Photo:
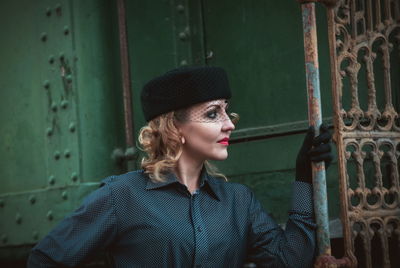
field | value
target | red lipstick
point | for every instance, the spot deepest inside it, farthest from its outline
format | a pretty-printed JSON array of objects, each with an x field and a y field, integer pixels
[{"x": 224, "y": 141}]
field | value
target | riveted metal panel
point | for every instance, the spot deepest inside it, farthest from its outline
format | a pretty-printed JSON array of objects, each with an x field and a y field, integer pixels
[
  {"x": 39, "y": 115},
  {"x": 28, "y": 216},
  {"x": 42, "y": 82},
  {"x": 60, "y": 89},
  {"x": 60, "y": 111}
]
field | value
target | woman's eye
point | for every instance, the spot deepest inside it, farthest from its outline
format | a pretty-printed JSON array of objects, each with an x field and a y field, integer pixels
[{"x": 212, "y": 114}]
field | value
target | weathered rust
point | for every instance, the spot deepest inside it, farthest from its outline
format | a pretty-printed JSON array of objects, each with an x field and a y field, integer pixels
[
  {"x": 327, "y": 261},
  {"x": 368, "y": 141},
  {"x": 315, "y": 119},
  {"x": 126, "y": 79}
]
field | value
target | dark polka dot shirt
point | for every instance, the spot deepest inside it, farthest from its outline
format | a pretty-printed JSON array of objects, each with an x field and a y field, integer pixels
[{"x": 145, "y": 224}]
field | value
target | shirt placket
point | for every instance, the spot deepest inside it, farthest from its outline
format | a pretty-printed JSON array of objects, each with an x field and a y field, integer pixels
[{"x": 200, "y": 234}]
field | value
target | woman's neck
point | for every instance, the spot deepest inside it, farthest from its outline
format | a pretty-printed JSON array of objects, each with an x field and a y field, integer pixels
[{"x": 188, "y": 172}]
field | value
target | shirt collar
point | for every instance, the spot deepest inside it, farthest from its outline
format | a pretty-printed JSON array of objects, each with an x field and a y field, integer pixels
[{"x": 206, "y": 182}]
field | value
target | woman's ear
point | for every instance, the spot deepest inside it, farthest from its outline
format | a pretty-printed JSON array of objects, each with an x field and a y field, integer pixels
[{"x": 178, "y": 127}]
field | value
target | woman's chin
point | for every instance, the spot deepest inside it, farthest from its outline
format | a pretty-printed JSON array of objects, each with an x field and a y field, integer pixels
[{"x": 219, "y": 157}]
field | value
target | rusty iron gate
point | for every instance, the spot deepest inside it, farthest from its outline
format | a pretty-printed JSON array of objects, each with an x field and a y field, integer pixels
[{"x": 364, "y": 38}]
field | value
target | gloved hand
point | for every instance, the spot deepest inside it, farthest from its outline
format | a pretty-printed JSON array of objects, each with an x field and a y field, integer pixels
[{"x": 314, "y": 149}]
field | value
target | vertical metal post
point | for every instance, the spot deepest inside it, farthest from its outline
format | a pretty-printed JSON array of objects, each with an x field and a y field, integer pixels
[
  {"x": 126, "y": 84},
  {"x": 315, "y": 119},
  {"x": 324, "y": 259}
]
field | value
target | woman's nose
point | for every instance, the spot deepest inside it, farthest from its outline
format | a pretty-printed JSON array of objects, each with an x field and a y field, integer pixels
[{"x": 228, "y": 125}]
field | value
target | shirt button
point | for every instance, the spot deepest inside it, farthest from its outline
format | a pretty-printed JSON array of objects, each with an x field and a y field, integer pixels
[{"x": 199, "y": 229}]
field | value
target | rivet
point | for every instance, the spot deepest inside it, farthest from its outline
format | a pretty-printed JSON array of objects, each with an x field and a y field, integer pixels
[
  {"x": 51, "y": 59},
  {"x": 46, "y": 84},
  {"x": 43, "y": 37},
  {"x": 32, "y": 199},
  {"x": 183, "y": 63},
  {"x": 49, "y": 215},
  {"x": 74, "y": 176},
  {"x": 67, "y": 153},
  {"x": 180, "y": 8},
  {"x": 35, "y": 235},
  {"x": 182, "y": 36},
  {"x": 210, "y": 55},
  {"x": 52, "y": 180},
  {"x": 18, "y": 218},
  {"x": 56, "y": 155},
  {"x": 48, "y": 12},
  {"x": 72, "y": 127},
  {"x": 68, "y": 78},
  {"x": 49, "y": 131},
  {"x": 64, "y": 104},
  {"x": 58, "y": 9},
  {"x": 66, "y": 30},
  {"x": 54, "y": 106},
  {"x": 64, "y": 195},
  {"x": 1, "y": 203},
  {"x": 4, "y": 238}
]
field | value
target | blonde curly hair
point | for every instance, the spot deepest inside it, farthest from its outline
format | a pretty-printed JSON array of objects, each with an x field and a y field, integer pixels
[{"x": 161, "y": 141}]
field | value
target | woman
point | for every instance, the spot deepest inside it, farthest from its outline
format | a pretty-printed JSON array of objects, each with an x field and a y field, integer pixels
[{"x": 177, "y": 211}]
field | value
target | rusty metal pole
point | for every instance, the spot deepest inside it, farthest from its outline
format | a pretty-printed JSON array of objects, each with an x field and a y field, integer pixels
[
  {"x": 324, "y": 259},
  {"x": 130, "y": 151},
  {"x": 315, "y": 119}
]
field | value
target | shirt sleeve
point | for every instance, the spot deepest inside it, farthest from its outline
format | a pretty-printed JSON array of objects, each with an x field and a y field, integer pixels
[
  {"x": 91, "y": 227},
  {"x": 270, "y": 246}
]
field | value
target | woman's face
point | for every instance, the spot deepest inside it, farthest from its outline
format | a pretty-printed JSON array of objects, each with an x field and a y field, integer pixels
[{"x": 206, "y": 130}]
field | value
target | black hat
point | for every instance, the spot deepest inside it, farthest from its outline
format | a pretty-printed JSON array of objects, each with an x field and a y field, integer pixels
[{"x": 183, "y": 87}]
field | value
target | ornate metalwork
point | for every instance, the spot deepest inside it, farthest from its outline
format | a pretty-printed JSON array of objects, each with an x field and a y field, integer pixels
[{"x": 365, "y": 44}]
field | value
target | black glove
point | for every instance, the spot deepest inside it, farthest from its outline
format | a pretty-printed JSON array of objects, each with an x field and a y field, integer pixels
[{"x": 314, "y": 149}]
